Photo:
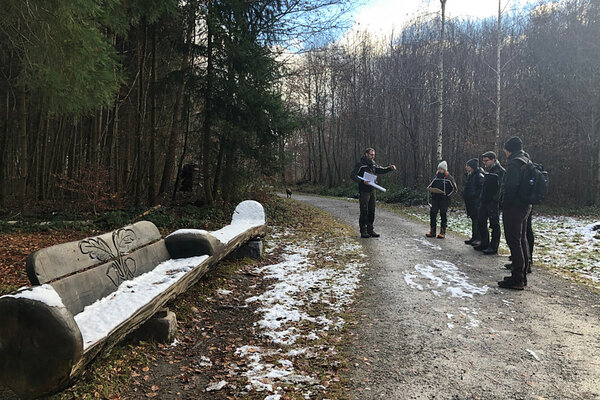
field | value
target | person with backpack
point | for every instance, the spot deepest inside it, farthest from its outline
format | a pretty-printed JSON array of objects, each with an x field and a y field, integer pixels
[
  {"x": 515, "y": 210},
  {"x": 489, "y": 207},
  {"x": 441, "y": 188},
  {"x": 536, "y": 179},
  {"x": 472, "y": 194}
]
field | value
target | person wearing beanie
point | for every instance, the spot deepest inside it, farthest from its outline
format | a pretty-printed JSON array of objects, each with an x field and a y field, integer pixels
[
  {"x": 441, "y": 188},
  {"x": 488, "y": 206},
  {"x": 472, "y": 194},
  {"x": 514, "y": 215},
  {"x": 367, "y": 196}
]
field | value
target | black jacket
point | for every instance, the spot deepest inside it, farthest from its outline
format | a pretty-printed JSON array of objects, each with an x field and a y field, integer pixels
[
  {"x": 472, "y": 192},
  {"x": 492, "y": 180},
  {"x": 366, "y": 165},
  {"x": 509, "y": 191}
]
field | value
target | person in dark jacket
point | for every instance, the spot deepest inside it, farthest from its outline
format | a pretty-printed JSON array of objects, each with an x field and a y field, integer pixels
[
  {"x": 472, "y": 194},
  {"x": 514, "y": 215},
  {"x": 488, "y": 207},
  {"x": 530, "y": 236},
  {"x": 441, "y": 188},
  {"x": 367, "y": 196}
]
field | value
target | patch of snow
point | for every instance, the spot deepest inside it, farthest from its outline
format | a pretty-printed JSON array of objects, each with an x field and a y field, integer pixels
[
  {"x": 225, "y": 234},
  {"x": 205, "y": 362},
  {"x": 249, "y": 211},
  {"x": 216, "y": 386},
  {"x": 427, "y": 243},
  {"x": 178, "y": 232},
  {"x": 248, "y": 214},
  {"x": 297, "y": 285},
  {"x": 442, "y": 275},
  {"x": 97, "y": 320},
  {"x": 224, "y": 292},
  {"x": 533, "y": 354},
  {"x": 44, "y": 294}
]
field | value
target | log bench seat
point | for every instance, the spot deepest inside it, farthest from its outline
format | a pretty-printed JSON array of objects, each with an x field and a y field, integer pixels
[{"x": 87, "y": 295}]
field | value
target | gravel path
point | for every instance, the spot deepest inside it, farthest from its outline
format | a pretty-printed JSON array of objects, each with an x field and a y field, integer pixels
[{"x": 433, "y": 323}]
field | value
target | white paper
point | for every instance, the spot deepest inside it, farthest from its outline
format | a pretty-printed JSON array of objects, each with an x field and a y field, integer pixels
[{"x": 370, "y": 178}]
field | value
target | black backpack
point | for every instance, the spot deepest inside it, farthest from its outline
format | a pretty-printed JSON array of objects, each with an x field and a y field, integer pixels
[{"x": 534, "y": 183}]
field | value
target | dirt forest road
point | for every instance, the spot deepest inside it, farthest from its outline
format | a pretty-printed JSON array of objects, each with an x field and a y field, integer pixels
[{"x": 434, "y": 324}]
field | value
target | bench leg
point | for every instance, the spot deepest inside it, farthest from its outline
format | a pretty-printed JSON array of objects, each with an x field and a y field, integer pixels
[
  {"x": 252, "y": 249},
  {"x": 161, "y": 328}
]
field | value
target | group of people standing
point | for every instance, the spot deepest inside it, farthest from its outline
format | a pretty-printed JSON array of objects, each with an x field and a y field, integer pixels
[{"x": 487, "y": 192}]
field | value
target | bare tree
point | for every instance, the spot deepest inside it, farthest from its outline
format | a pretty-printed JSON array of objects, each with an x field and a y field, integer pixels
[{"x": 440, "y": 92}]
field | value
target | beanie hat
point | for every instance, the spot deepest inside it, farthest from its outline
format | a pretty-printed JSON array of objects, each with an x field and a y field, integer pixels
[
  {"x": 473, "y": 163},
  {"x": 513, "y": 144},
  {"x": 443, "y": 165},
  {"x": 489, "y": 154}
]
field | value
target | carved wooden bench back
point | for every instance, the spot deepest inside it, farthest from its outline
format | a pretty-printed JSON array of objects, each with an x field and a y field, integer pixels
[{"x": 84, "y": 271}]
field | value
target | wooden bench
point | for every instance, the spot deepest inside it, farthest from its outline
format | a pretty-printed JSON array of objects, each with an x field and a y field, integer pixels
[{"x": 89, "y": 294}]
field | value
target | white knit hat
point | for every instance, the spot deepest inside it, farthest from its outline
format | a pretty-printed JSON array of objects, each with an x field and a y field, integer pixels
[{"x": 443, "y": 165}]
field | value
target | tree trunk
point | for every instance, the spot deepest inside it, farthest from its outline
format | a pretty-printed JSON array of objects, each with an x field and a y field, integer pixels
[
  {"x": 206, "y": 126},
  {"x": 140, "y": 116},
  {"x": 441, "y": 86},
  {"x": 498, "y": 68},
  {"x": 24, "y": 156},
  {"x": 153, "y": 122},
  {"x": 176, "y": 125}
]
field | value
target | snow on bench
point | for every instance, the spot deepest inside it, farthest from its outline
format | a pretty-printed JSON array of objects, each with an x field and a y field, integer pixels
[{"x": 89, "y": 294}]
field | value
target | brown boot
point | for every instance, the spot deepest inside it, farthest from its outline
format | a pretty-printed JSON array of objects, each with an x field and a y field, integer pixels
[
  {"x": 442, "y": 233},
  {"x": 431, "y": 232}
]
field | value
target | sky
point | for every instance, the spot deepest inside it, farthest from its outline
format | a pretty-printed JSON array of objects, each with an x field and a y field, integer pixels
[{"x": 381, "y": 16}]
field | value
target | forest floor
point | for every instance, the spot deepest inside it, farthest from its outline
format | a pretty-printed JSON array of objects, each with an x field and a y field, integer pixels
[
  {"x": 326, "y": 315},
  {"x": 243, "y": 333}
]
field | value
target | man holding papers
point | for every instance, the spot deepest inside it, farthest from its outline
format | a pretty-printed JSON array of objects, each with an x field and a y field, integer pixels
[{"x": 365, "y": 174}]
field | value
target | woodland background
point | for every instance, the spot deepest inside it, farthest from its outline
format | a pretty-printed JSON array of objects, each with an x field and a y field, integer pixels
[{"x": 107, "y": 103}]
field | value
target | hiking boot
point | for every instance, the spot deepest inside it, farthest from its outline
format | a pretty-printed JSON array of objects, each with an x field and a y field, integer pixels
[
  {"x": 509, "y": 278},
  {"x": 431, "y": 233},
  {"x": 470, "y": 241},
  {"x": 510, "y": 284},
  {"x": 480, "y": 248},
  {"x": 489, "y": 251},
  {"x": 363, "y": 232},
  {"x": 373, "y": 234},
  {"x": 476, "y": 243},
  {"x": 442, "y": 233}
]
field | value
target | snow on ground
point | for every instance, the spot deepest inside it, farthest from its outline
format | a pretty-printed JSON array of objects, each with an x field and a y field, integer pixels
[
  {"x": 304, "y": 302},
  {"x": 568, "y": 243},
  {"x": 442, "y": 277}
]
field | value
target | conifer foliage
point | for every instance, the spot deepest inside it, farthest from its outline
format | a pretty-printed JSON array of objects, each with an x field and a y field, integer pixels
[{"x": 139, "y": 89}]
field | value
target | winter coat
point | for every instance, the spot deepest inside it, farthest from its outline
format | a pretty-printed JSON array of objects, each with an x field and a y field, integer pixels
[
  {"x": 366, "y": 165},
  {"x": 472, "y": 191},
  {"x": 509, "y": 191},
  {"x": 492, "y": 180},
  {"x": 444, "y": 182}
]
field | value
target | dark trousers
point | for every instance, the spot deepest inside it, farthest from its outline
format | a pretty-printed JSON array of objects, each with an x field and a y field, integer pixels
[
  {"x": 489, "y": 211},
  {"x": 474, "y": 228},
  {"x": 515, "y": 232},
  {"x": 366, "y": 202},
  {"x": 530, "y": 238},
  {"x": 440, "y": 204}
]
